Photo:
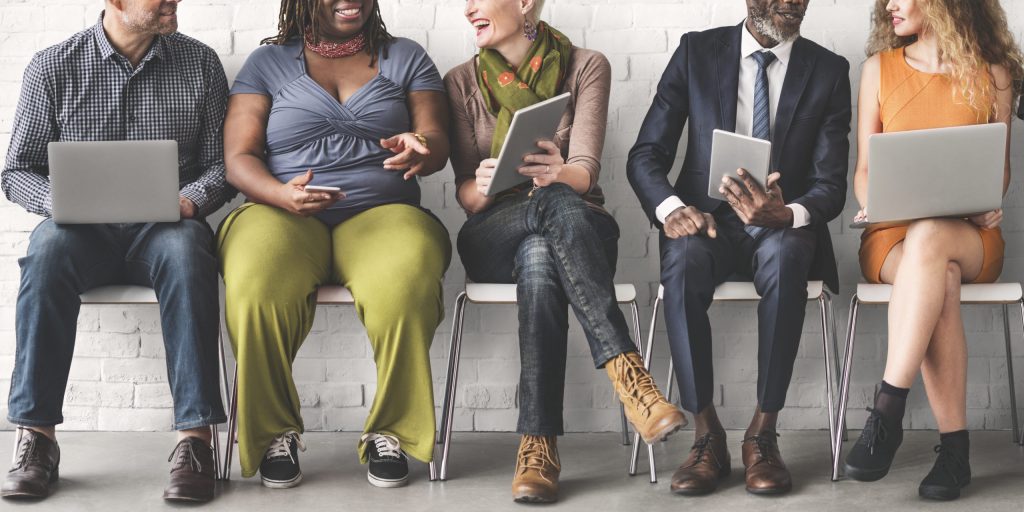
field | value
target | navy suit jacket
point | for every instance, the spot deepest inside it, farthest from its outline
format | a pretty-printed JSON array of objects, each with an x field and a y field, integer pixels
[{"x": 810, "y": 139}]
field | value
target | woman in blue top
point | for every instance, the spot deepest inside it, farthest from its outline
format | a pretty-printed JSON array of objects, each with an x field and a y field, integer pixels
[{"x": 334, "y": 101}]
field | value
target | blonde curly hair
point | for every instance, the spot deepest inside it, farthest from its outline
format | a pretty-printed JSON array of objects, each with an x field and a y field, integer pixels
[{"x": 972, "y": 35}]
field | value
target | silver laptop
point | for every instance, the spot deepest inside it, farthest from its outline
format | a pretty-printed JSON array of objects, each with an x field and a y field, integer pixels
[
  {"x": 114, "y": 181},
  {"x": 941, "y": 172}
]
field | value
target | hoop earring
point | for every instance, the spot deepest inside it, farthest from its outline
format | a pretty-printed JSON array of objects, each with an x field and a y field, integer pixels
[{"x": 529, "y": 30}]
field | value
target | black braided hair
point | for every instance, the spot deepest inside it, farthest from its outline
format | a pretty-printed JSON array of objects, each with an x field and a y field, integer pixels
[{"x": 298, "y": 15}]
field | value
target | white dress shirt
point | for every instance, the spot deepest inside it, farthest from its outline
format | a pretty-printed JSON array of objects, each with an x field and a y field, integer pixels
[{"x": 745, "y": 108}]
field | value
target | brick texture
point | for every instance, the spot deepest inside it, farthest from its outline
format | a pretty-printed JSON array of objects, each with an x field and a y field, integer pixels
[{"x": 118, "y": 379}]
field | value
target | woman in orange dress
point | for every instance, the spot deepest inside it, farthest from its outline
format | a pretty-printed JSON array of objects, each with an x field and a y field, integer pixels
[{"x": 933, "y": 64}]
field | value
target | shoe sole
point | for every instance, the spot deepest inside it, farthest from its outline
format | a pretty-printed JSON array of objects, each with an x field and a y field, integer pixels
[
  {"x": 938, "y": 493},
  {"x": 769, "y": 492},
  {"x": 865, "y": 475},
  {"x": 385, "y": 483},
  {"x": 533, "y": 499},
  {"x": 179, "y": 498},
  {"x": 663, "y": 435},
  {"x": 281, "y": 484}
]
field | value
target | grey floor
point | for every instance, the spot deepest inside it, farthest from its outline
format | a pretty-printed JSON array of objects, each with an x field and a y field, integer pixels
[{"x": 126, "y": 471}]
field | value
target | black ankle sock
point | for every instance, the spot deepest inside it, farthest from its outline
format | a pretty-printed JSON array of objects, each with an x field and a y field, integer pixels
[
  {"x": 891, "y": 401},
  {"x": 959, "y": 440}
]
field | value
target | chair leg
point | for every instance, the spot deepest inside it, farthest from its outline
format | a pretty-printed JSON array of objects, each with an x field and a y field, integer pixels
[
  {"x": 216, "y": 452},
  {"x": 825, "y": 302},
  {"x": 837, "y": 360},
  {"x": 451, "y": 382},
  {"x": 635, "y": 311},
  {"x": 1009, "y": 373},
  {"x": 647, "y": 353},
  {"x": 844, "y": 387},
  {"x": 226, "y": 393},
  {"x": 229, "y": 447}
]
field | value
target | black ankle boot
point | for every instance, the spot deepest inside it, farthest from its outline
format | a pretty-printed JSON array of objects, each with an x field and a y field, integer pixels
[
  {"x": 951, "y": 472},
  {"x": 872, "y": 455}
]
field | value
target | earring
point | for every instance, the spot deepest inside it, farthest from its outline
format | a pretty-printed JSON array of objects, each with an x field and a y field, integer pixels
[{"x": 529, "y": 30}]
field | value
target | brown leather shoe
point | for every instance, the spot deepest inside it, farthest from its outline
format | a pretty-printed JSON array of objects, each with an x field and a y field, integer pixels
[
  {"x": 708, "y": 464},
  {"x": 766, "y": 473},
  {"x": 646, "y": 407},
  {"x": 537, "y": 469},
  {"x": 34, "y": 469},
  {"x": 192, "y": 477}
]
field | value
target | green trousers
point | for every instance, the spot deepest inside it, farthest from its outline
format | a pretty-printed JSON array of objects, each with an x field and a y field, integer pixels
[{"x": 392, "y": 258}]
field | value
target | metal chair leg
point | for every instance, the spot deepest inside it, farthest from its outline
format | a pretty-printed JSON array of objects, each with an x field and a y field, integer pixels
[
  {"x": 232, "y": 426},
  {"x": 844, "y": 387},
  {"x": 1017, "y": 438},
  {"x": 451, "y": 383},
  {"x": 216, "y": 452},
  {"x": 635, "y": 311},
  {"x": 636, "y": 436},
  {"x": 825, "y": 302}
]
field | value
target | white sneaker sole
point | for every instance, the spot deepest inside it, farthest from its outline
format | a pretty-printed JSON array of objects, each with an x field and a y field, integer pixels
[
  {"x": 382, "y": 482},
  {"x": 281, "y": 484}
]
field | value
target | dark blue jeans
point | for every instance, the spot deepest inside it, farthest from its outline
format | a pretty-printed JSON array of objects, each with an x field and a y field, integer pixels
[
  {"x": 559, "y": 252},
  {"x": 175, "y": 259}
]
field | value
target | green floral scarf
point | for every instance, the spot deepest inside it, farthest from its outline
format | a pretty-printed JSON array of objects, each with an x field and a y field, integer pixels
[{"x": 538, "y": 78}]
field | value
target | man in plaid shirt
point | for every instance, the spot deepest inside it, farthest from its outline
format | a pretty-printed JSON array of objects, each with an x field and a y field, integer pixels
[{"x": 129, "y": 77}]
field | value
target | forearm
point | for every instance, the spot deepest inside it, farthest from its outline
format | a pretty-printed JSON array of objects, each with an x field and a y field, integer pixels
[
  {"x": 251, "y": 177},
  {"x": 860, "y": 187},
  {"x": 471, "y": 199},
  {"x": 440, "y": 149},
  {"x": 576, "y": 176}
]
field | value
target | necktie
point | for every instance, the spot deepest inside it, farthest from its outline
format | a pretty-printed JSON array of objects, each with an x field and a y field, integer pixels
[{"x": 762, "y": 106}]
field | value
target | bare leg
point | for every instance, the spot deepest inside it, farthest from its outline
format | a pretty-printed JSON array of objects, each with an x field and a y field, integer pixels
[
  {"x": 46, "y": 431},
  {"x": 945, "y": 363}
]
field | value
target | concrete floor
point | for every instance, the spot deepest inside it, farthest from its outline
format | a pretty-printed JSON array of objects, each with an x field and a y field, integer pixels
[{"x": 111, "y": 472}]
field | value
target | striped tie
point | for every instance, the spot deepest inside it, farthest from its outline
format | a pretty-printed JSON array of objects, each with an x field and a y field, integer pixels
[{"x": 762, "y": 107}]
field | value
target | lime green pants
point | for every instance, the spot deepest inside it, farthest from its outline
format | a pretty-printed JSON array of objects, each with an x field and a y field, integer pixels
[{"x": 392, "y": 258}]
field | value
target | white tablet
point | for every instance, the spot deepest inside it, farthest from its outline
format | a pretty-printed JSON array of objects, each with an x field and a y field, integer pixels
[
  {"x": 529, "y": 125},
  {"x": 730, "y": 152}
]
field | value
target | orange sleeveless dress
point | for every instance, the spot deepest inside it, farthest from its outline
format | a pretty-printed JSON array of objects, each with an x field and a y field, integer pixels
[{"x": 913, "y": 100}]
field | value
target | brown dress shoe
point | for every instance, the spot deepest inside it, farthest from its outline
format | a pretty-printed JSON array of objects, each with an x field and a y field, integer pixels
[
  {"x": 192, "y": 477},
  {"x": 708, "y": 464},
  {"x": 653, "y": 417},
  {"x": 766, "y": 473},
  {"x": 537, "y": 469},
  {"x": 34, "y": 469}
]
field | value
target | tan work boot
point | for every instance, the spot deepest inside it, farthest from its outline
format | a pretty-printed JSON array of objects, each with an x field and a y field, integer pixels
[
  {"x": 646, "y": 408},
  {"x": 537, "y": 469}
]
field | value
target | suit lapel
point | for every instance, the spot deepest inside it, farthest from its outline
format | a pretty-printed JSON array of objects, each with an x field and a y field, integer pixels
[
  {"x": 727, "y": 62},
  {"x": 801, "y": 63}
]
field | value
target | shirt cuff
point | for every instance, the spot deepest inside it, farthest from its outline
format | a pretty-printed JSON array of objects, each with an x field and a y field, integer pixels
[
  {"x": 199, "y": 200},
  {"x": 668, "y": 206},
  {"x": 801, "y": 217}
]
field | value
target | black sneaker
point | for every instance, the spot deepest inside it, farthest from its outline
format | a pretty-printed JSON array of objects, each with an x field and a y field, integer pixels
[
  {"x": 951, "y": 472},
  {"x": 872, "y": 455},
  {"x": 389, "y": 467},
  {"x": 280, "y": 466}
]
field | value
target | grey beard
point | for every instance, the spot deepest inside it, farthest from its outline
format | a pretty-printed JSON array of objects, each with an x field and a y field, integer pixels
[{"x": 764, "y": 26}]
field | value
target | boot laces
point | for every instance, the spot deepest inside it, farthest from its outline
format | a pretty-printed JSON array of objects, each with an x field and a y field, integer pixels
[
  {"x": 387, "y": 445},
  {"x": 280, "y": 447},
  {"x": 875, "y": 432},
  {"x": 27, "y": 453},
  {"x": 186, "y": 455},
  {"x": 638, "y": 384},
  {"x": 535, "y": 452}
]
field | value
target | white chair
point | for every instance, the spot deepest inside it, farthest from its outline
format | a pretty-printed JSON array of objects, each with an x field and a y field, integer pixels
[
  {"x": 745, "y": 292},
  {"x": 1003, "y": 294},
  {"x": 332, "y": 295},
  {"x": 490, "y": 293},
  {"x": 139, "y": 295}
]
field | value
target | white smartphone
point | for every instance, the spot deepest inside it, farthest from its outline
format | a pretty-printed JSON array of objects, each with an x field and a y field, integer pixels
[{"x": 321, "y": 188}]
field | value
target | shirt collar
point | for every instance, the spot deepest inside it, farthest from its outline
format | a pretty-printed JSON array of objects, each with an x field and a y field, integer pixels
[
  {"x": 749, "y": 45},
  {"x": 156, "y": 50}
]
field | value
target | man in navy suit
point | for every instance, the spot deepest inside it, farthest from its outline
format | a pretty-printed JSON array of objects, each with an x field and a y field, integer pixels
[{"x": 760, "y": 79}]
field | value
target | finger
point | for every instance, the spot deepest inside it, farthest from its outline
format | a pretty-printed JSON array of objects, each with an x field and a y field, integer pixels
[
  {"x": 549, "y": 147},
  {"x": 698, "y": 221},
  {"x": 730, "y": 196},
  {"x": 533, "y": 171},
  {"x": 752, "y": 187},
  {"x": 302, "y": 179},
  {"x": 413, "y": 171},
  {"x": 736, "y": 187},
  {"x": 401, "y": 160},
  {"x": 390, "y": 142},
  {"x": 489, "y": 163},
  {"x": 712, "y": 228},
  {"x": 670, "y": 230},
  {"x": 773, "y": 180},
  {"x": 418, "y": 147}
]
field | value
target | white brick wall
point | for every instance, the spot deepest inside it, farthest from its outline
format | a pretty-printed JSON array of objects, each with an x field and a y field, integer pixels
[{"x": 118, "y": 379}]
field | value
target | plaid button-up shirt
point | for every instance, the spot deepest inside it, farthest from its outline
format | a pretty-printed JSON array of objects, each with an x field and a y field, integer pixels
[{"x": 83, "y": 90}]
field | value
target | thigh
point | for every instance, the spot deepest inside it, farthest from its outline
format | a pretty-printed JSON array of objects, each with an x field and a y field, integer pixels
[
  {"x": 184, "y": 247},
  {"x": 698, "y": 256},
  {"x": 489, "y": 241},
  {"x": 787, "y": 247},
  {"x": 92, "y": 253},
  {"x": 263, "y": 249},
  {"x": 608, "y": 230},
  {"x": 394, "y": 243},
  {"x": 956, "y": 240}
]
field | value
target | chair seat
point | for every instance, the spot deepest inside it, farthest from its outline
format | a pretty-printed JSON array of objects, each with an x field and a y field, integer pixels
[
  {"x": 490, "y": 293},
  {"x": 744, "y": 291},
  {"x": 994, "y": 293},
  {"x": 119, "y": 294},
  {"x": 334, "y": 294}
]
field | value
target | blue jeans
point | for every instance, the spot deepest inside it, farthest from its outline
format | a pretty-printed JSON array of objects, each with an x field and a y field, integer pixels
[
  {"x": 176, "y": 259},
  {"x": 559, "y": 252}
]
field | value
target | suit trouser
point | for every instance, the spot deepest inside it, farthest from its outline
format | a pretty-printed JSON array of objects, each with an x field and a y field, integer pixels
[{"x": 778, "y": 261}]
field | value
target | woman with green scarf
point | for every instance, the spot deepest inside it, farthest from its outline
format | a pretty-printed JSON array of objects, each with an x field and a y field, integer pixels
[{"x": 550, "y": 236}]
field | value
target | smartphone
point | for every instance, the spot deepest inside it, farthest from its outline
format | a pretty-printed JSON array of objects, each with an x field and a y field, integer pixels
[{"x": 321, "y": 188}]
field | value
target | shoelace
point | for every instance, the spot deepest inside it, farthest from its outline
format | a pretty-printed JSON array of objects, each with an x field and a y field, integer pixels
[
  {"x": 535, "y": 453},
  {"x": 949, "y": 461},
  {"x": 764, "y": 442},
  {"x": 703, "y": 446},
  {"x": 874, "y": 431},
  {"x": 639, "y": 384},
  {"x": 27, "y": 453},
  {"x": 280, "y": 447},
  {"x": 387, "y": 446},
  {"x": 185, "y": 455}
]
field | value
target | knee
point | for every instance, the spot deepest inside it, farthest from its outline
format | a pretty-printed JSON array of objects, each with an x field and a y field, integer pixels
[
  {"x": 954, "y": 277},
  {"x": 784, "y": 259},
  {"x": 689, "y": 260},
  {"x": 185, "y": 249},
  {"x": 560, "y": 201},
  {"x": 926, "y": 239},
  {"x": 52, "y": 243},
  {"x": 535, "y": 262}
]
